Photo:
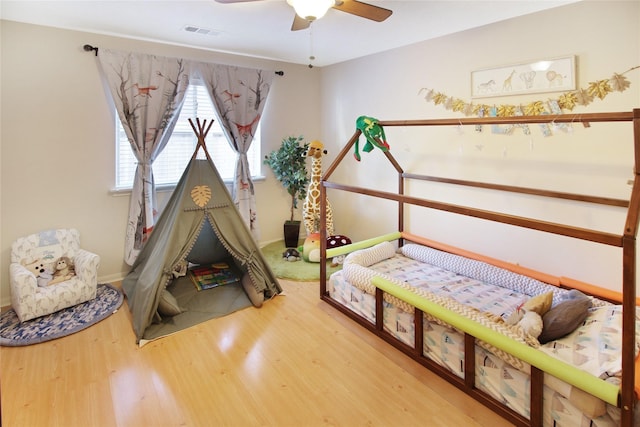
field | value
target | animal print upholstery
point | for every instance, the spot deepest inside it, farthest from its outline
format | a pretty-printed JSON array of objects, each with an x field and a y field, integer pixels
[{"x": 31, "y": 301}]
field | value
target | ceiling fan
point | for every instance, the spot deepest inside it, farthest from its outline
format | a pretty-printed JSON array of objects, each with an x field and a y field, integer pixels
[{"x": 308, "y": 11}]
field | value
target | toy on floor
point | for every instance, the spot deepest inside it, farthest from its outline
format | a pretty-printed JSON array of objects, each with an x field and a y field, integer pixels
[
  {"x": 374, "y": 134},
  {"x": 311, "y": 248},
  {"x": 335, "y": 242},
  {"x": 311, "y": 205},
  {"x": 291, "y": 255}
]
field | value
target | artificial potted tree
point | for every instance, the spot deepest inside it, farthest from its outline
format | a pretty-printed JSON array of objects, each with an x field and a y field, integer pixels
[{"x": 289, "y": 165}]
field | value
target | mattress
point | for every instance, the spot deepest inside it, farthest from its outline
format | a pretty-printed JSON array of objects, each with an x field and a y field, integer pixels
[{"x": 593, "y": 347}]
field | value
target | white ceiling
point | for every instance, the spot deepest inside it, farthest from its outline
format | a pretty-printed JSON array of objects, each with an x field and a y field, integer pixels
[{"x": 262, "y": 28}]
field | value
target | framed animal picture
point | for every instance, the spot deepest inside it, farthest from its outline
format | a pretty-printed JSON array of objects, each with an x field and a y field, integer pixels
[{"x": 547, "y": 75}]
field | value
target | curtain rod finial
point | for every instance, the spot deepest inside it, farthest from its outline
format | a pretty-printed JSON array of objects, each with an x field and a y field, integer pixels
[{"x": 89, "y": 48}]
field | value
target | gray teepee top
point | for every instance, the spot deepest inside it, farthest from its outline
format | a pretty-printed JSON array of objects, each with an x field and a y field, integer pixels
[{"x": 200, "y": 195}]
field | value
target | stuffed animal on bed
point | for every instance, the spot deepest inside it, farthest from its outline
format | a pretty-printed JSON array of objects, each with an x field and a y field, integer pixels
[
  {"x": 531, "y": 323},
  {"x": 538, "y": 318},
  {"x": 529, "y": 315}
]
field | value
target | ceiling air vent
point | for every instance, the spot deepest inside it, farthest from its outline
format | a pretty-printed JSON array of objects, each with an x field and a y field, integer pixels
[{"x": 199, "y": 30}]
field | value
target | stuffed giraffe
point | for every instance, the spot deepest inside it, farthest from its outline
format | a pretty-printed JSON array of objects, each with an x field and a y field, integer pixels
[{"x": 311, "y": 206}]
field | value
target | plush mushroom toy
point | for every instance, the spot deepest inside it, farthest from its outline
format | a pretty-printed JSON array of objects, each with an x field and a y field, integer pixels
[{"x": 311, "y": 248}]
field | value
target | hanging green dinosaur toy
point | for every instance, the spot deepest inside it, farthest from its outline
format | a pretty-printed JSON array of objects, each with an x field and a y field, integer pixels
[{"x": 373, "y": 132}]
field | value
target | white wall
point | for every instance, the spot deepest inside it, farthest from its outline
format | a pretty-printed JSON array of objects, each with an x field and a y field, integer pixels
[
  {"x": 57, "y": 136},
  {"x": 604, "y": 36}
]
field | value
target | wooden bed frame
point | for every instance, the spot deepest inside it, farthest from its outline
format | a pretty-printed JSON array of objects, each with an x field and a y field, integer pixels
[{"x": 626, "y": 241}]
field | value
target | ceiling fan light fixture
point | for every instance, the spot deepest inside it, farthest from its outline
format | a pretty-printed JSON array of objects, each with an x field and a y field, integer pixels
[{"x": 311, "y": 9}]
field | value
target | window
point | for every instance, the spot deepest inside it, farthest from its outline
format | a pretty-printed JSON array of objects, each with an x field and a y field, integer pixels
[{"x": 168, "y": 167}]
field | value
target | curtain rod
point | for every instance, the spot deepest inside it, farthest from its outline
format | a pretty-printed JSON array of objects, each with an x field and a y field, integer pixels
[{"x": 89, "y": 48}]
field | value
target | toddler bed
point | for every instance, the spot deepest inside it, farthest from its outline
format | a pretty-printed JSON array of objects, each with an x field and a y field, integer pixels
[
  {"x": 457, "y": 313},
  {"x": 491, "y": 294}
]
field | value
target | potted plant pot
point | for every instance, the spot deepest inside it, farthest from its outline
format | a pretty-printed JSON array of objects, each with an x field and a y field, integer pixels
[
  {"x": 291, "y": 233},
  {"x": 289, "y": 166}
]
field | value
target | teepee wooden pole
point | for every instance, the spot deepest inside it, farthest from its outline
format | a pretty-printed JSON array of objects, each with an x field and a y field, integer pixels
[{"x": 201, "y": 133}]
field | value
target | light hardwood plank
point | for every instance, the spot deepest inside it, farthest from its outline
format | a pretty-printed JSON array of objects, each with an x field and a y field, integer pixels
[{"x": 294, "y": 362}]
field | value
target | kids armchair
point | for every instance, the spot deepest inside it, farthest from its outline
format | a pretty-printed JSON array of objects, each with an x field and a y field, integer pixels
[{"x": 34, "y": 260}]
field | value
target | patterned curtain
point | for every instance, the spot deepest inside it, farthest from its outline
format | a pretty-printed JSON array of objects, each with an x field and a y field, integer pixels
[
  {"x": 239, "y": 96},
  {"x": 148, "y": 92}
]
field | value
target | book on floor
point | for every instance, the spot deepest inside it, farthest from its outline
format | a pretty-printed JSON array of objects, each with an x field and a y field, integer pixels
[{"x": 213, "y": 275}]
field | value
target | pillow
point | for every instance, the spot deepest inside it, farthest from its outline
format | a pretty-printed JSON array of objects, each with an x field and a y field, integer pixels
[
  {"x": 371, "y": 255},
  {"x": 168, "y": 305},
  {"x": 207, "y": 249},
  {"x": 539, "y": 304},
  {"x": 563, "y": 319},
  {"x": 257, "y": 298}
]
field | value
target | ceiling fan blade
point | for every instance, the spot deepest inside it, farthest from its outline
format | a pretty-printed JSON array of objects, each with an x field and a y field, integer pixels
[
  {"x": 365, "y": 10},
  {"x": 299, "y": 23}
]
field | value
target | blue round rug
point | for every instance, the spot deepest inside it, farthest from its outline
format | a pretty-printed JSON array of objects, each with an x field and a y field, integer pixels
[{"x": 61, "y": 323}]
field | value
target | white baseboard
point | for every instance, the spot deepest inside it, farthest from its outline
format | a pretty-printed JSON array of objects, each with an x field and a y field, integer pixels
[{"x": 110, "y": 278}]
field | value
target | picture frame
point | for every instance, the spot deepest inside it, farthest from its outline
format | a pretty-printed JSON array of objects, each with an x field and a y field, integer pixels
[{"x": 546, "y": 75}]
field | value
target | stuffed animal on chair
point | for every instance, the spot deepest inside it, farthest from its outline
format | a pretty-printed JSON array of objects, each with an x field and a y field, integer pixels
[
  {"x": 42, "y": 270},
  {"x": 64, "y": 270}
]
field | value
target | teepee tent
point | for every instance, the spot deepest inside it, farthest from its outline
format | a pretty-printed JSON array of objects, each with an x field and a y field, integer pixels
[{"x": 200, "y": 225}]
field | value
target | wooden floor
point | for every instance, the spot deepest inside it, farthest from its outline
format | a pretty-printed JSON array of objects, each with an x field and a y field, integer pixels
[{"x": 293, "y": 362}]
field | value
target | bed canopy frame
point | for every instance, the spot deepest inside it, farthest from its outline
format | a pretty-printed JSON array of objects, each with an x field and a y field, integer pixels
[{"x": 626, "y": 241}]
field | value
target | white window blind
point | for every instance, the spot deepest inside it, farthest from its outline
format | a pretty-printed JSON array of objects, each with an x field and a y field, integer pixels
[{"x": 172, "y": 161}]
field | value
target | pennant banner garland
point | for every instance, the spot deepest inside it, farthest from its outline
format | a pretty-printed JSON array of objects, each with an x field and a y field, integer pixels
[{"x": 567, "y": 101}]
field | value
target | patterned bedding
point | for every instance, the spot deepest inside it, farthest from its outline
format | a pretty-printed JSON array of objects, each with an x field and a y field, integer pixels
[{"x": 593, "y": 347}]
